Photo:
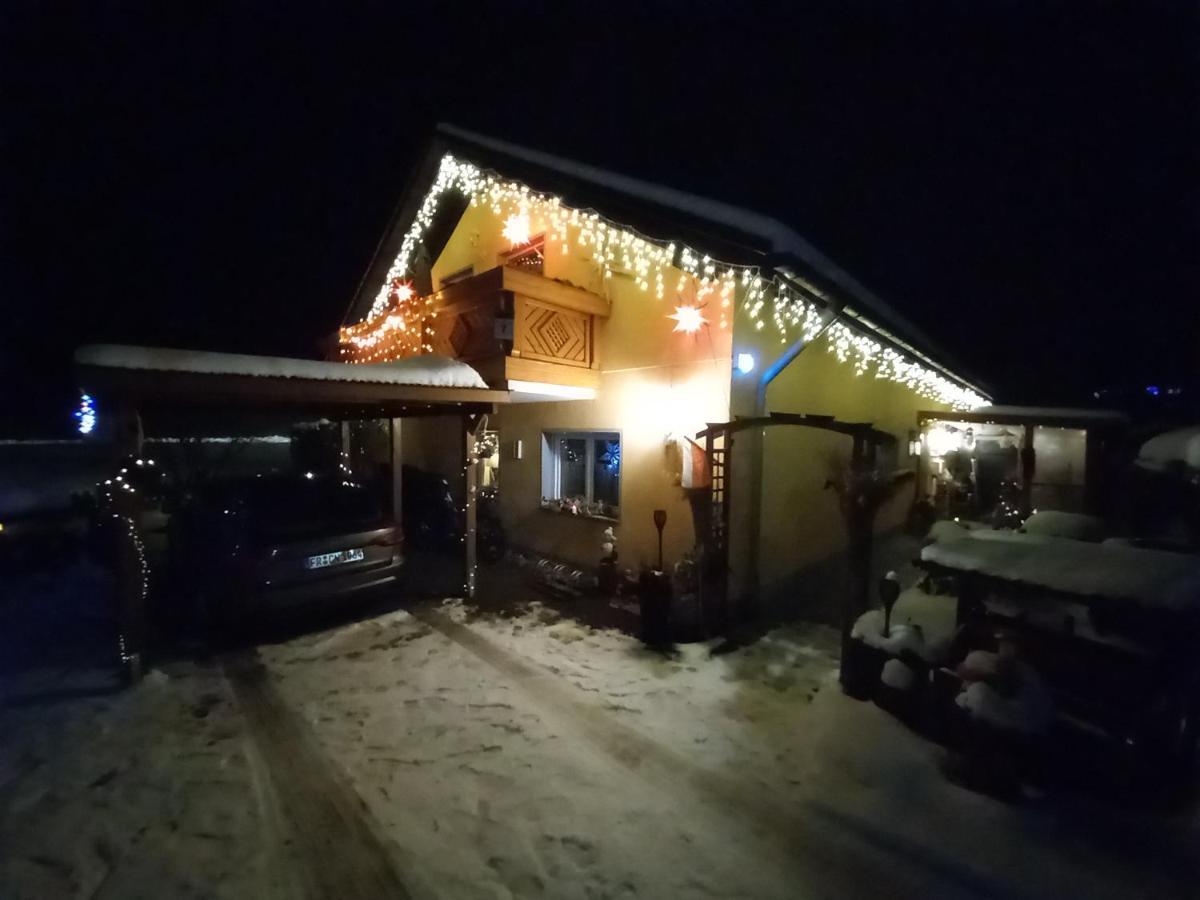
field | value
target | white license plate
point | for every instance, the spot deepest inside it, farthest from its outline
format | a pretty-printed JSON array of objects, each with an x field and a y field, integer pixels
[{"x": 324, "y": 560}]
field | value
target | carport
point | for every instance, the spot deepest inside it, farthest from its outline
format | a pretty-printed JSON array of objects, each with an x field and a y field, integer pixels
[{"x": 122, "y": 382}]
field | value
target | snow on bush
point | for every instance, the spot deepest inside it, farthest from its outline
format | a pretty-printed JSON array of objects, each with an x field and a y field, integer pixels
[
  {"x": 946, "y": 530},
  {"x": 979, "y": 665},
  {"x": 1028, "y": 710},
  {"x": 1174, "y": 447},
  {"x": 1075, "y": 526},
  {"x": 897, "y": 675},
  {"x": 900, "y": 638}
]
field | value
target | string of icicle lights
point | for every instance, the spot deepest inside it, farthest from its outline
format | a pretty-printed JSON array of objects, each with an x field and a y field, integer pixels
[{"x": 615, "y": 248}]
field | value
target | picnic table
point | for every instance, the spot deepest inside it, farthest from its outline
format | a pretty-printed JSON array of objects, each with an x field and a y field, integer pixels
[{"x": 1114, "y": 629}]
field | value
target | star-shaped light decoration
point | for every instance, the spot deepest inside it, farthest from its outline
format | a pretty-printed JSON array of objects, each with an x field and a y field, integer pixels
[
  {"x": 516, "y": 229},
  {"x": 688, "y": 319},
  {"x": 403, "y": 291}
]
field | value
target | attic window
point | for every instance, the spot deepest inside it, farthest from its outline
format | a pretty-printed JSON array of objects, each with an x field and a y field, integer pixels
[{"x": 529, "y": 256}]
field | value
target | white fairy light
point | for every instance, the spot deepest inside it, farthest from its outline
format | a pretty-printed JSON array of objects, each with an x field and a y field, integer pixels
[{"x": 401, "y": 325}]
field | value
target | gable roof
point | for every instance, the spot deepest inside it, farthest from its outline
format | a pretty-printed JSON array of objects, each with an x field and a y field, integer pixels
[{"x": 724, "y": 231}]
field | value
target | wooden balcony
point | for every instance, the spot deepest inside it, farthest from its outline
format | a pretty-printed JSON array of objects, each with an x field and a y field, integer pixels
[{"x": 514, "y": 325}]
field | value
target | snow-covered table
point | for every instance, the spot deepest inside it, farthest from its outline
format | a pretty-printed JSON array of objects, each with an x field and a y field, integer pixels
[
  {"x": 1152, "y": 579},
  {"x": 1114, "y": 628}
]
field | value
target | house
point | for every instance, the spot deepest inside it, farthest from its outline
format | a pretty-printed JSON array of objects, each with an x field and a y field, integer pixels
[{"x": 660, "y": 352}]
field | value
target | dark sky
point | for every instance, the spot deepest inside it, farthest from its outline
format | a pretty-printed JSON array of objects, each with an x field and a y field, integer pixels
[{"x": 1021, "y": 178}]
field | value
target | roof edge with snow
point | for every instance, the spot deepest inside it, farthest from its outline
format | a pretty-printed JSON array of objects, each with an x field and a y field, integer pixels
[
  {"x": 717, "y": 228},
  {"x": 416, "y": 371}
]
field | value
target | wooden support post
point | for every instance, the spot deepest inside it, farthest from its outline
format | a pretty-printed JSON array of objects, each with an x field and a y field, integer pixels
[
  {"x": 471, "y": 425},
  {"x": 128, "y": 436},
  {"x": 1028, "y": 468},
  {"x": 125, "y": 526},
  {"x": 397, "y": 473}
]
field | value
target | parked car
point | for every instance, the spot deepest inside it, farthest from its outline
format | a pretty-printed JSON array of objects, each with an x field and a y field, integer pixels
[
  {"x": 433, "y": 521},
  {"x": 263, "y": 544}
]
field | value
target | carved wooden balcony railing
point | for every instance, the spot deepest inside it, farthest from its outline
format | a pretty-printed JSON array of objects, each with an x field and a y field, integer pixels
[{"x": 510, "y": 325}]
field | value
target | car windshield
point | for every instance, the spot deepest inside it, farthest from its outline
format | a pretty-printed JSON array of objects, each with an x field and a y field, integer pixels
[{"x": 290, "y": 507}]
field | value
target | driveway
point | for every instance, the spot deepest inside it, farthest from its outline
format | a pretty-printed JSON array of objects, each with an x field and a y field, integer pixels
[{"x": 445, "y": 752}]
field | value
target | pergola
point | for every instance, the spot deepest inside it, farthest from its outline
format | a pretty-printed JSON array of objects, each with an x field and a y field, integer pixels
[
  {"x": 866, "y": 440},
  {"x": 126, "y": 381}
]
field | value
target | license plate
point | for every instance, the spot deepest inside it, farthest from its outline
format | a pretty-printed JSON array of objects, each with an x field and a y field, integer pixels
[{"x": 324, "y": 560}]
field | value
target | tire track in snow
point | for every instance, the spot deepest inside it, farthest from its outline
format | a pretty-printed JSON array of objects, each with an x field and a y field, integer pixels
[
  {"x": 341, "y": 850},
  {"x": 835, "y": 855}
]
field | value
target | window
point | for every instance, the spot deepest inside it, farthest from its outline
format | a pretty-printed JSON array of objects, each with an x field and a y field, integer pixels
[{"x": 581, "y": 472}]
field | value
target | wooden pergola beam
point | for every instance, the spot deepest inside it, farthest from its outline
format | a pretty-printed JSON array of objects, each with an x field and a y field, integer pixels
[{"x": 858, "y": 430}]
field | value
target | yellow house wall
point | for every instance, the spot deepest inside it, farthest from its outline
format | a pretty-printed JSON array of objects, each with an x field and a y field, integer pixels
[
  {"x": 653, "y": 382},
  {"x": 802, "y": 538}
]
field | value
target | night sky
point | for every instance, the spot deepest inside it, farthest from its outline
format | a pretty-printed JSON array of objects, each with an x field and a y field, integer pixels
[{"x": 1020, "y": 178}]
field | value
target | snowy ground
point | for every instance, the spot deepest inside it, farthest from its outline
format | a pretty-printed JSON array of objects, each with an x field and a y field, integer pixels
[{"x": 525, "y": 756}]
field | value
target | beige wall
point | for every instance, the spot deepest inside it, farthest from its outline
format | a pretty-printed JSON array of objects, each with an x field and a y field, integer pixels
[
  {"x": 802, "y": 538},
  {"x": 653, "y": 383}
]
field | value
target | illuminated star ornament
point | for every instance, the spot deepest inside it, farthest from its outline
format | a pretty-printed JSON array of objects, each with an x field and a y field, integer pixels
[
  {"x": 403, "y": 291},
  {"x": 516, "y": 229},
  {"x": 688, "y": 319}
]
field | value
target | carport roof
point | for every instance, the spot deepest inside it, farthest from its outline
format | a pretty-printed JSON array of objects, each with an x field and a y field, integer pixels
[{"x": 153, "y": 375}]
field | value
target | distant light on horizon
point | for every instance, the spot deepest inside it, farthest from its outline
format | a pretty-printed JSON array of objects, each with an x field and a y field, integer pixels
[{"x": 86, "y": 414}]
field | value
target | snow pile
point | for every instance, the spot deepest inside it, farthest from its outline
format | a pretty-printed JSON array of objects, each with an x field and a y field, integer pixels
[
  {"x": 897, "y": 675},
  {"x": 428, "y": 370},
  {"x": 900, "y": 639},
  {"x": 1075, "y": 526},
  {"x": 1153, "y": 578},
  {"x": 1029, "y": 710},
  {"x": 1171, "y": 448},
  {"x": 922, "y": 624},
  {"x": 979, "y": 665},
  {"x": 946, "y": 530}
]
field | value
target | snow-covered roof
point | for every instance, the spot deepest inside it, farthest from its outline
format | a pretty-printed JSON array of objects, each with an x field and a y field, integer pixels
[
  {"x": 1153, "y": 578},
  {"x": 427, "y": 371},
  {"x": 1172, "y": 448},
  {"x": 1054, "y": 412},
  {"x": 778, "y": 238},
  {"x": 713, "y": 224}
]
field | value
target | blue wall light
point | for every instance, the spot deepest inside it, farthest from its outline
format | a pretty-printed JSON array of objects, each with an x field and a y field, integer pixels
[{"x": 745, "y": 363}]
